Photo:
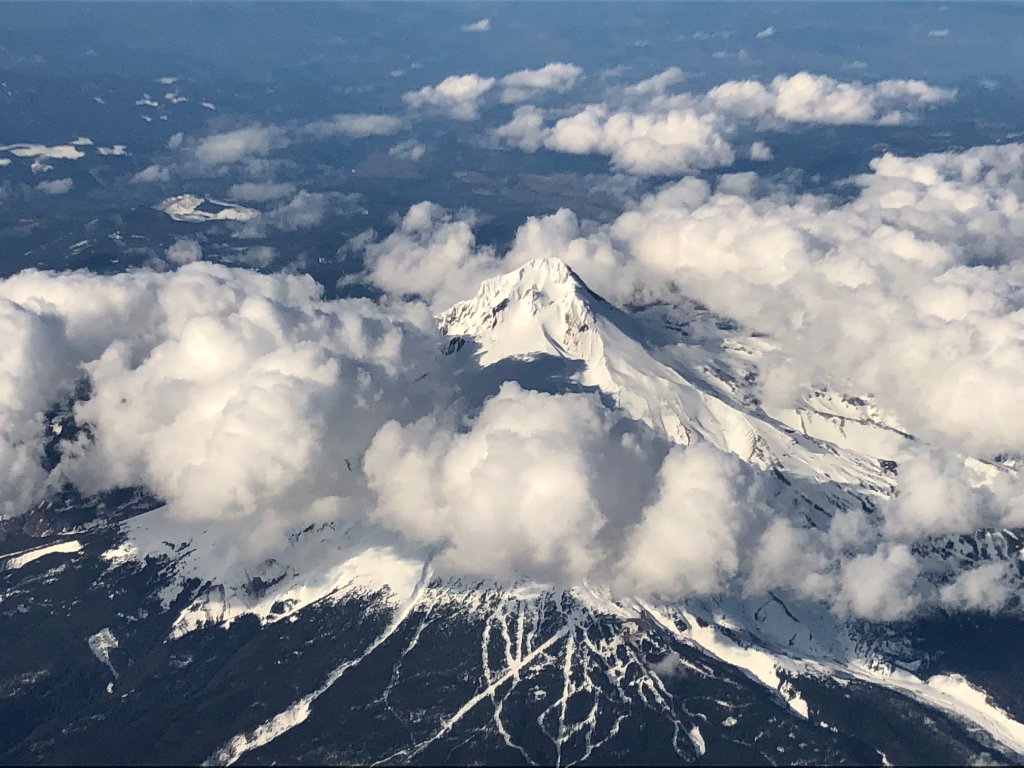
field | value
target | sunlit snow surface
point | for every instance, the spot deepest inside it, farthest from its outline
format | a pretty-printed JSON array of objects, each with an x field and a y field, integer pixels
[
  {"x": 187, "y": 208},
  {"x": 18, "y": 559}
]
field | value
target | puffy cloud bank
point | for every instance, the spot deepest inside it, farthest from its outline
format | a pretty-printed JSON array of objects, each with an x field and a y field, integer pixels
[
  {"x": 515, "y": 494},
  {"x": 457, "y": 96},
  {"x": 526, "y": 84},
  {"x": 222, "y": 390},
  {"x": 645, "y": 143},
  {"x": 239, "y": 145},
  {"x": 431, "y": 254},
  {"x": 249, "y": 400},
  {"x": 911, "y": 290},
  {"x": 645, "y": 128},
  {"x": 646, "y": 131},
  {"x": 807, "y": 98}
]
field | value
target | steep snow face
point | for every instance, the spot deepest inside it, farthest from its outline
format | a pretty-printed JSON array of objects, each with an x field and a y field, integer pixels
[
  {"x": 853, "y": 422},
  {"x": 675, "y": 383},
  {"x": 544, "y": 308}
]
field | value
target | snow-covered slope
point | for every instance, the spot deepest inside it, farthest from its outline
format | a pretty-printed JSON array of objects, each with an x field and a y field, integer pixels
[
  {"x": 195, "y": 209},
  {"x": 666, "y": 380},
  {"x": 544, "y": 308}
]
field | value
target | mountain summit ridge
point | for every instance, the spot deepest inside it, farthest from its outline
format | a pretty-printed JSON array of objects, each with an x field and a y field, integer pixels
[
  {"x": 544, "y": 307},
  {"x": 547, "y": 290}
]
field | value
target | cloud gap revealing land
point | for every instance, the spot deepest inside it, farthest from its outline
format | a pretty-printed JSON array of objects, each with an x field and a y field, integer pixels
[{"x": 511, "y": 383}]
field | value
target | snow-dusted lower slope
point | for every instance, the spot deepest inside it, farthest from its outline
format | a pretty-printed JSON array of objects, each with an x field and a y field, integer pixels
[
  {"x": 18, "y": 559},
  {"x": 564, "y": 679}
]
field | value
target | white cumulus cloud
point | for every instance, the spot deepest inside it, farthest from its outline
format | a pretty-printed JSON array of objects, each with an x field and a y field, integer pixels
[
  {"x": 55, "y": 186},
  {"x": 526, "y": 84},
  {"x": 408, "y": 150},
  {"x": 808, "y": 98},
  {"x": 240, "y": 144},
  {"x": 356, "y": 125},
  {"x": 483, "y": 25},
  {"x": 646, "y": 131},
  {"x": 458, "y": 96},
  {"x": 153, "y": 173},
  {"x": 431, "y": 255},
  {"x": 512, "y": 496},
  {"x": 184, "y": 251}
]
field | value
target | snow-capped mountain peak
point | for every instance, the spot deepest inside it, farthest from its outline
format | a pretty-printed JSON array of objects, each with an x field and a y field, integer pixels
[{"x": 542, "y": 307}]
